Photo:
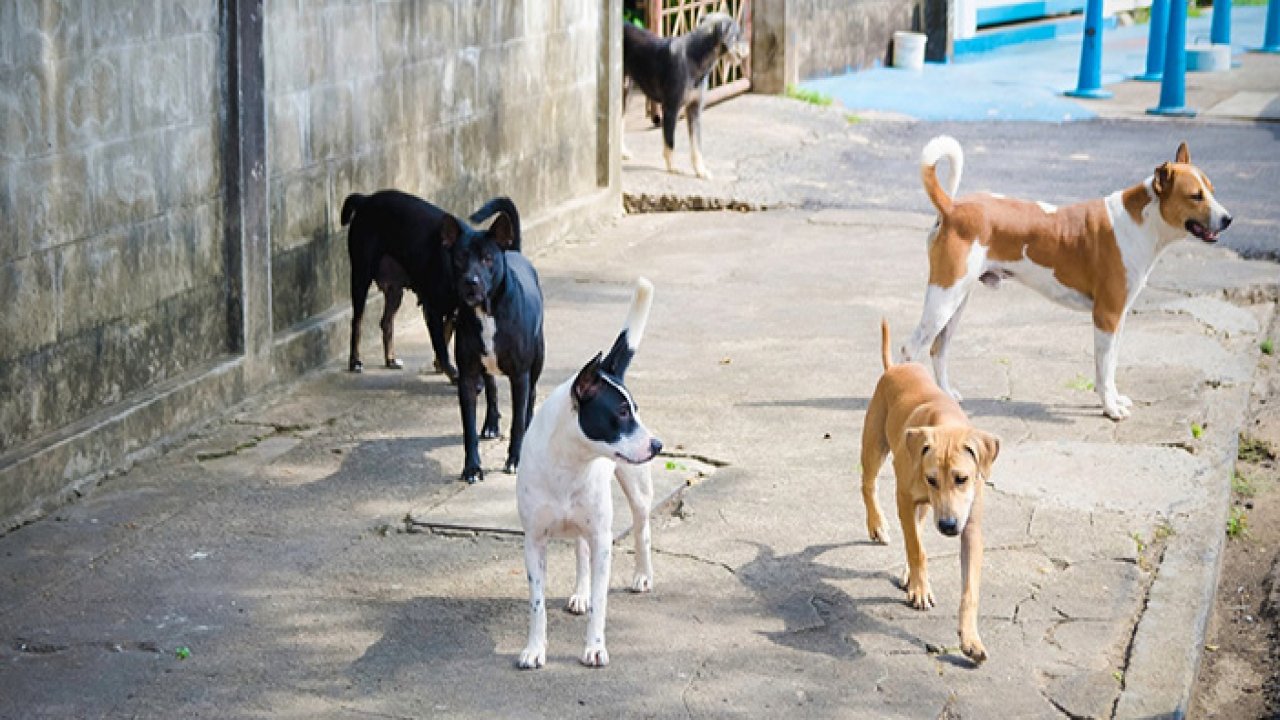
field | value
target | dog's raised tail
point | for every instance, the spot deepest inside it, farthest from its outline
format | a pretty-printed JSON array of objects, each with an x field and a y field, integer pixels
[
  {"x": 886, "y": 355},
  {"x": 624, "y": 348},
  {"x": 502, "y": 205},
  {"x": 943, "y": 146},
  {"x": 351, "y": 205}
]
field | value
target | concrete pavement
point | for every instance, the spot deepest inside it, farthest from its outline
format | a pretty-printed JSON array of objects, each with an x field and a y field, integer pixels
[{"x": 277, "y": 550}]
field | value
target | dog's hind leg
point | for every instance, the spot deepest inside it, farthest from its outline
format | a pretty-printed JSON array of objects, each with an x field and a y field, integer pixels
[
  {"x": 534, "y": 654},
  {"x": 580, "y": 600},
  {"x": 601, "y": 547},
  {"x": 392, "y": 295},
  {"x": 622, "y": 119},
  {"x": 693, "y": 115},
  {"x": 492, "y": 417},
  {"x": 939, "y": 351},
  {"x": 637, "y": 485},
  {"x": 360, "y": 283},
  {"x": 875, "y": 448},
  {"x": 940, "y": 304}
]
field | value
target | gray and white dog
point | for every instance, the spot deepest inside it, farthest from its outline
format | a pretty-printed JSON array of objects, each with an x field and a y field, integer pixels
[
  {"x": 673, "y": 73},
  {"x": 586, "y": 433}
]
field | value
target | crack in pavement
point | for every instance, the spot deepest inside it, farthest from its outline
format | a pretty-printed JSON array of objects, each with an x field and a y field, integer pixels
[{"x": 690, "y": 556}]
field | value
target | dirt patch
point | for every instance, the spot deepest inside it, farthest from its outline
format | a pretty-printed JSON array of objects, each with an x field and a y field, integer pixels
[{"x": 1240, "y": 675}]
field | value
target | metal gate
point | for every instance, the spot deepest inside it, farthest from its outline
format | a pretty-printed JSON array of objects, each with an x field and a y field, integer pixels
[{"x": 670, "y": 18}]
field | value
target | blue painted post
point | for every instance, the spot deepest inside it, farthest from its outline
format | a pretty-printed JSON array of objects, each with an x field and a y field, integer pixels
[
  {"x": 1090, "y": 82},
  {"x": 1173, "y": 87},
  {"x": 1271, "y": 36},
  {"x": 1220, "y": 31},
  {"x": 1155, "y": 41}
]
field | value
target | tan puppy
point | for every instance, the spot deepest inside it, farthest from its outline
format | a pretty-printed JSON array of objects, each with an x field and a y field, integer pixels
[
  {"x": 940, "y": 461},
  {"x": 1093, "y": 256}
]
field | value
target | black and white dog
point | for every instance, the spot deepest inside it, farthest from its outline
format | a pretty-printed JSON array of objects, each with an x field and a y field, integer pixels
[
  {"x": 586, "y": 433},
  {"x": 499, "y": 325},
  {"x": 395, "y": 241},
  {"x": 673, "y": 73}
]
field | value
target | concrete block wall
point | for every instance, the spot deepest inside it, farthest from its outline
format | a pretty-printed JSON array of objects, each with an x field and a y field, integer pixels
[
  {"x": 453, "y": 100},
  {"x": 111, "y": 254},
  {"x": 171, "y": 177}
]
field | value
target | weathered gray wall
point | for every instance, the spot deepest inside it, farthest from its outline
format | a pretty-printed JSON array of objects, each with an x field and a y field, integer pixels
[
  {"x": 172, "y": 171},
  {"x": 794, "y": 40}
]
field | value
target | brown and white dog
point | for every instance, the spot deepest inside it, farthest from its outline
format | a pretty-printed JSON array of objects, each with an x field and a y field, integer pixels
[
  {"x": 940, "y": 461},
  {"x": 1093, "y": 256}
]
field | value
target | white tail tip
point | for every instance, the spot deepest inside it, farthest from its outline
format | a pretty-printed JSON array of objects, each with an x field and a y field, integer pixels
[
  {"x": 639, "y": 314},
  {"x": 945, "y": 146}
]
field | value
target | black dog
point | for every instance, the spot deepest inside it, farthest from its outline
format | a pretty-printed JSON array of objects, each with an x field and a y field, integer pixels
[
  {"x": 395, "y": 241},
  {"x": 499, "y": 325},
  {"x": 673, "y": 73}
]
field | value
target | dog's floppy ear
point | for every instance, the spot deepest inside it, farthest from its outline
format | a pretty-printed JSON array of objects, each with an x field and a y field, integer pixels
[
  {"x": 503, "y": 232},
  {"x": 1163, "y": 178},
  {"x": 588, "y": 382},
  {"x": 450, "y": 231},
  {"x": 1183, "y": 155},
  {"x": 985, "y": 447},
  {"x": 919, "y": 440}
]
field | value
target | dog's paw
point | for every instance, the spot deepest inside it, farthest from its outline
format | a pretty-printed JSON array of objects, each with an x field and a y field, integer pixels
[
  {"x": 919, "y": 593},
  {"x": 879, "y": 535},
  {"x": 641, "y": 583},
  {"x": 449, "y": 371},
  {"x": 395, "y": 364},
  {"x": 971, "y": 646},
  {"x": 595, "y": 656},
  {"x": 578, "y": 604},
  {"x": 472, "y": 475},
  {"x": 1124, "y": 401},
  {"x": 702, "y": 172},
  {"x": 355, "y": 366},
  {"x": 490, "y": 431},
  {"x": 510, "y": 466},
  {"x": 532, "y": 658},
  {"x": 1114, "y": 410}
]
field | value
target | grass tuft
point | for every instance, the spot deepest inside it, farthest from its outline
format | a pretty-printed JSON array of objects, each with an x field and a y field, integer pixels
[{"x": 813, "y": 97}]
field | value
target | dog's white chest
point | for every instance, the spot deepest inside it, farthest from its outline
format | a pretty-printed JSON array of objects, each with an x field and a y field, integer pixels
[{"x": 488, "y": 328}]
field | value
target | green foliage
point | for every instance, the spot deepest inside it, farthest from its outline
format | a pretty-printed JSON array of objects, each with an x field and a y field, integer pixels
[
  {"x": 1237, "y": 524},
  {"x": 1267, "y": 347},
  {"x": 1080, "y": 382},
  {"x": 813, "y": 97},
  {"x": 1197, "y": 430}
]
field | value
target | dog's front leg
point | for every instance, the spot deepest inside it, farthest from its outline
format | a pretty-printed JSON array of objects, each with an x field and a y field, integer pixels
[
  {"x": 580, "y": 600},
  {"x": 471, "y": 471},
  {"x": 670, "y": 115},
  {"x": 622, "y": 120},
  {"x": 916, "y": 582},
  {"x": 637, "y": 485},
  {"x": 519, "y": 416},
  {"x": 599, "y": 542},
  {"x": 535, "y": 564},
  {"x": 1106, "y": 349},
  {"x": 971, "y": 576},
  {"x": 439, "y": 342},
  {"x": 693, "y": 116}
]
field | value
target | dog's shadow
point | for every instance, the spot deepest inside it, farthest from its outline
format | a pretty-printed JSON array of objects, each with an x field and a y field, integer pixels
[
  {"x": 1035, "y": 412},
  {"x": 819, "y": 617}
]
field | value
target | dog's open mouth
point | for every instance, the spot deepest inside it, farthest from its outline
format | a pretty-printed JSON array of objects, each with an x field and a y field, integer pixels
[
  {"x": 631, "y": 460},
  {"x": 1201, "y": 231}
]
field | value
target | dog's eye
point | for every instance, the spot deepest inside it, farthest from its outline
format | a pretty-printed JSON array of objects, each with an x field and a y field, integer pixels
[
  {"x": 961, "y": 479},
  {"x": 488, "y": 258},
  {"x": 624, "y": 412},
  {"x": 1198, "y": 196},
  {"x": 932, "y": 480}
]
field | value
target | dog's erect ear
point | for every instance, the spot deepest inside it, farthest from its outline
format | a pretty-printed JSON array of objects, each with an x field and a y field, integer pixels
[
  {"x": 1162, "y": 180},
  {"x": 503, "y": 232},
  {"x": 918, "y": 442},
  {"x": 985, "y": 447},
  {"x": 1183, "y": 155},
  {"x": 588, "y": 382},
  {"x": 450, "y": 231}
]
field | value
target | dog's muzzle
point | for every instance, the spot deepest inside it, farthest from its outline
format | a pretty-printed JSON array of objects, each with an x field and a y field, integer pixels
[
  {"x": 655, "y": 447},
  {"x": 949, "y": 527},
  {"x": 1202, "y": 231}
]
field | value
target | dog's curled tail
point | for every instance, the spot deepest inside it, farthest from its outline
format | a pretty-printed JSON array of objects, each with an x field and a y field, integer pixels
[
  {"x": 886, "y": 355},
  {"x": 351, "y": 205},
  {"x": 502, "y": 205},
  {"x": 943, "y": 146},
  {"x": 624, "y": 348}
]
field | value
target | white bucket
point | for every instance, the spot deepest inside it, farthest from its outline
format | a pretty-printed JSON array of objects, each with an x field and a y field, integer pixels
[
  {"x": 908, "y": 50},
  {"x": 1202, "y": 57}
]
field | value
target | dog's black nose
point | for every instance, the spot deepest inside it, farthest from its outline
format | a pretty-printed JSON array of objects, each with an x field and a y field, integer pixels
[
  {"x": 473, "y": 281},
  {"x": 655, "y": 446},
  {"x": 1226, "y": 221},
  {"x": 948, "y": 526}
]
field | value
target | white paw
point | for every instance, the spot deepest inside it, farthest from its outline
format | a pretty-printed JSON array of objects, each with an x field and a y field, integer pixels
[
  {"x": 1112, "y": 408},
  {"x": 879, "y": 535},
  {"x": 1124, "y": 401},
  {"x": 641, "y": 583},
  {"x": 578, "y": 604},
  {"x": 595, "y": 656},
  {"x": 532, "y": 658},
  {"x": 702, "y": 172}
]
